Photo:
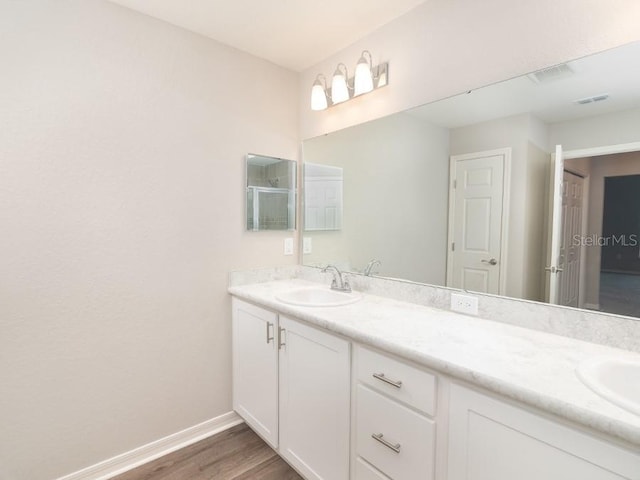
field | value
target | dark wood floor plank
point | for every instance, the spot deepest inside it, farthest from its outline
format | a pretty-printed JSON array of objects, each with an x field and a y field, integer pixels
[
  {"x": 273, "y": 469},
  {"x": 235, "y": 454},
  {"x": 238, "y": 461},
  {"x": 193, "y": 455}
]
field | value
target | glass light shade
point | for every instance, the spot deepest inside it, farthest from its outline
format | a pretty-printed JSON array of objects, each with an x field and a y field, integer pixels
[
  {"x": 318, "y": 97},
  {"x": 363, "y": 81},
  {"x": 339, "y": 89}
]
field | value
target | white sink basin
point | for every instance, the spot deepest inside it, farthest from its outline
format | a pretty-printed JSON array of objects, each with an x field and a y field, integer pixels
[
  {"x": 616, "y": 380},
  {"x": 318, "y": 297}
]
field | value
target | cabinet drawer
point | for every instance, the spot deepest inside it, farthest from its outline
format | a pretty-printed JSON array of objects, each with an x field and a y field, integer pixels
[
  {"x": 409, "y": 433},
  {"x": 364, "y": 471},
  {"x": 408, "y": 384}
]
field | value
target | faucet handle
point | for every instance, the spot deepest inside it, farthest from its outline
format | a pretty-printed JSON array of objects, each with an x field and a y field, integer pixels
[
  {"x": 368, "y": 270},
  {"x": 346, "y": 287}
]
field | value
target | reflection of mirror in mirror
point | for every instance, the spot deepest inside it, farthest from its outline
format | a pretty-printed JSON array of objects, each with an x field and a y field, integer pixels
[
  {"x": 271, "y": 193},
  {"x": 399, "y": 174}
]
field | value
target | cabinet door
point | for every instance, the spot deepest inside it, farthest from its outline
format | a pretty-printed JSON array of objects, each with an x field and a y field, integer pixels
[
  {"x": 255, "y": 368},
  {"x": 314, "y": 401},
  {"x": 493, "y": 440}
]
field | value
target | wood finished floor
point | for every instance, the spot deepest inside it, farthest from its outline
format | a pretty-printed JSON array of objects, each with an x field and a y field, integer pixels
[{"x": 235, "y": 454}]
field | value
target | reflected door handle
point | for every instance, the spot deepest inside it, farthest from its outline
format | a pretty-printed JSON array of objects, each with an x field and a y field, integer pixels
[
  {"x": 553, "y": 269},
  {"x": 492, "y": 261}
]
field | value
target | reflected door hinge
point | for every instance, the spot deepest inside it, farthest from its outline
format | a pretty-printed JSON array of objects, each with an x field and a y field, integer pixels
[
  {"x": 455, "y": 184},
  {"x": 453, "y": 246}
]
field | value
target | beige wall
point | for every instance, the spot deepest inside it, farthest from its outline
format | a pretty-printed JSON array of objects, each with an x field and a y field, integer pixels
[
  {"x": 445, "y": 47},
  {"x": 610, "y": 129},
  {"x": 396, "y": 172},
  {"x": 122, "y": 143},
  {"x": 536, "y": 208}
]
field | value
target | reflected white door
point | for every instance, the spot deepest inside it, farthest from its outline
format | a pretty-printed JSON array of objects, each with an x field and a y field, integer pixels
[
  {"x": 323, "y": 205},
  {"x": 570, "y": 247},
  {"x": 553, "y": 267},
  {"x": 322, "y": 197},
  {"x": 477, "y": 210}
]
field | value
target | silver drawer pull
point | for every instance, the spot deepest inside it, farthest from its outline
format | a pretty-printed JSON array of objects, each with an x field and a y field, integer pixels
[
  {"x": 269, "y": 335},
  {"x": 380, "y": 376},
  {"x": 389, "y": 445}
]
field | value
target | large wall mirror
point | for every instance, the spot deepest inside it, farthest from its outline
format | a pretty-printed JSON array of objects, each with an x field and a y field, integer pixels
[
  {"x": 461, "y": 192},
  {"x": 271, "y": 193}
]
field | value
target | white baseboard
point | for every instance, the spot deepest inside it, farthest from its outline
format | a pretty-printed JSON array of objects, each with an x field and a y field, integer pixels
[{"x": 146, "y": 453}]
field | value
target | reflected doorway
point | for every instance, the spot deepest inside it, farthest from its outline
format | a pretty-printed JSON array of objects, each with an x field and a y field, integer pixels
[
  {"x": 620, "y": 260},
  {"x": 609, "y": 258}
]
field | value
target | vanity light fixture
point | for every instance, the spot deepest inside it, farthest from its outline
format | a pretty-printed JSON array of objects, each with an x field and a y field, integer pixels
[
  {"x": 368, "y": 77},
  {"x": 319, "y": 93},
  {"x": 339, "y": 87},
  {"x": 363, "y": 78}
]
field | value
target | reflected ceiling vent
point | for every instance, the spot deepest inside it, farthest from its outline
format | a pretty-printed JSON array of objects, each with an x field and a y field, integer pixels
[
  {"x": 551, "y": 74},
  {"x": 595, "y": 98}
]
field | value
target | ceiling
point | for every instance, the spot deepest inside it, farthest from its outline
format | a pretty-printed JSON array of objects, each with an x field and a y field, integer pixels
[
  {"x": 615, "y": 73},
  {"x": 295, "y": 34}
]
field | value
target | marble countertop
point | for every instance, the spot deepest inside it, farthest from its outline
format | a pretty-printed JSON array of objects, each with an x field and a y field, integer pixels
[{"x": 533, "y": 367}]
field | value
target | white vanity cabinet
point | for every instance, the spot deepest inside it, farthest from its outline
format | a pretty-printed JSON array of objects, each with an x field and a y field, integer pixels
[
  {"x": 314, "y": 401},
  {"x": 291, "y": 384},
  {"x": 255, "y": 368},
  {"x": 394, "y": 429},
  {"x": 376, "y": 416},
  {"x": 493, "y": 440}
]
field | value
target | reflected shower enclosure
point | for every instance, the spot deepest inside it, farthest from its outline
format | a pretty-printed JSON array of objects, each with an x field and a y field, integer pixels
[{"x": 271, "y": 193}]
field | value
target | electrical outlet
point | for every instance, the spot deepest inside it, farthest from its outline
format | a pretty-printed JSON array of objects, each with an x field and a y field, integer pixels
[
  {"x": 464, "y": 304},
  {"x": 306, "y": 245},
  {"x": 288, "y": 246}
]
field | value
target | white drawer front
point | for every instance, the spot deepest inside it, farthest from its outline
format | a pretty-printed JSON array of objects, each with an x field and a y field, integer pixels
[
  {"x": 404, "y": 429},
  {"x": 364, "y": 471},
  {"x": 399, "y": 380}
]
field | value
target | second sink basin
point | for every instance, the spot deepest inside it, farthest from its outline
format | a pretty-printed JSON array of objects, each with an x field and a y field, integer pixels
[
  {"x": 318, "y": 297},
  {"x": 617, "y": 380}
]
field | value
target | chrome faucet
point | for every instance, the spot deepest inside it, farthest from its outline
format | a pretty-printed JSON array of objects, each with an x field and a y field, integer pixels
[
  {"x": 339, "y": 282},
  {"x": 369, "y": 267}
]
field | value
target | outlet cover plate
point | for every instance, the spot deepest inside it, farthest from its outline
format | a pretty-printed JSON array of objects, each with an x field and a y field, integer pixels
[
  {"x": 307, "y": 246},
  {"x": 288, "y": 246},
  {"x": 464, "y": 304}
]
